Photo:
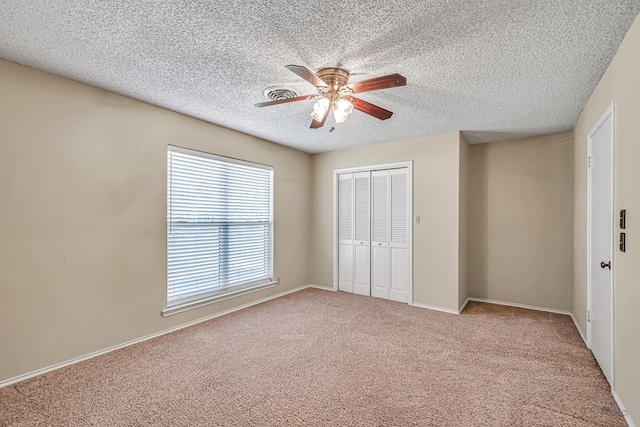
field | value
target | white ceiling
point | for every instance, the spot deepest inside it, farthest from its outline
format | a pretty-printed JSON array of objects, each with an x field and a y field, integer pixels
[{"x": 494, "y": 69}]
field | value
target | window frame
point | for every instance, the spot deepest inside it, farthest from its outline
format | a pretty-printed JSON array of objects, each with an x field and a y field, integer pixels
[{"x": 228, "y": 292}]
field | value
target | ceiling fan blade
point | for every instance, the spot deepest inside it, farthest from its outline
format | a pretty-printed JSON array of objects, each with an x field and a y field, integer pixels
[
  {"x": 318, "y": 124},
  {"x": 284, "y": 101},
  {"x": 377, "y": 83},
  {"x": 306, "y": 74},
  {"x": 370, "y": 109}
]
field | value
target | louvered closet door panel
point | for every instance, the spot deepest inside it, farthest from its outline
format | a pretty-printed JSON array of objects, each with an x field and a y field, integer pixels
[
  {"x": 362, "y": 242},
  {"x": 380, "y": 234},
  {"x": 399, "y": 224},
  {"x": 345, "y": 232}
]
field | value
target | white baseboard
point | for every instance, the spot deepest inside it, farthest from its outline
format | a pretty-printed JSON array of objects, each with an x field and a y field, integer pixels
[
  {"x": 324, "y": 288},
  {"x": 444, "y": 310},
  {"x": 515, "y": 304},
  {"x": 575, "y": 322},
  {"x": 151, "y": 336},
  {"x": 433, "y": 307},
  {"x": 464, "y": 304},
  {"x": 624, "y": 411}
]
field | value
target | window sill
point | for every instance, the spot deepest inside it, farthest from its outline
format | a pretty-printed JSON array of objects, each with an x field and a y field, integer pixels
[{"x": 179, "y": 308}]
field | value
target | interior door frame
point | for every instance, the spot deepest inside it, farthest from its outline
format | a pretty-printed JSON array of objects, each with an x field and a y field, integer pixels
[
  {"x": 609, "y": 112},
  {"x": 397, "y": 165}
]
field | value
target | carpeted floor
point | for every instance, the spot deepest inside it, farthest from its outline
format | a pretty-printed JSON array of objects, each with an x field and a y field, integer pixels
[{"x": 320, "y": 358}]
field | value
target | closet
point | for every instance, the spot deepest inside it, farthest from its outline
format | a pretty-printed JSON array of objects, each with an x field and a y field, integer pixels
[{"x": 373, "y": 233}]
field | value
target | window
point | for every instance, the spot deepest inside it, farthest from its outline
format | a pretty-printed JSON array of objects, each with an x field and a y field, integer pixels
[{"x": 219, "y": 228}]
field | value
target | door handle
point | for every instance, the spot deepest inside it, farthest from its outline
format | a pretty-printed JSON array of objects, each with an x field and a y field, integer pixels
[{"x": 605, "y": 265}]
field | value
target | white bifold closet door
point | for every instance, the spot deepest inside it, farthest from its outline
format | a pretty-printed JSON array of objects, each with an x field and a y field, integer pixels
[
  {"x": 354, "y": 261},
  {"x": 345, "y": 232},
  {"x": 380, "y": 234},
  {"x": 399, "y": 230},
  {"x": 389, "y": 244},
  {"x": 373, "y": 255},
  {"x": 362, "y": 239}
]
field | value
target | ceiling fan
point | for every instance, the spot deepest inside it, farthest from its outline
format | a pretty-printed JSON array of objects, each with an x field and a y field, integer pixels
[{"x": 335, "y": 93}]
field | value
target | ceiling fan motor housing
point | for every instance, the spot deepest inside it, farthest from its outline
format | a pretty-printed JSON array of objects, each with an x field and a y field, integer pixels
[{"x": 334, "y": 77}]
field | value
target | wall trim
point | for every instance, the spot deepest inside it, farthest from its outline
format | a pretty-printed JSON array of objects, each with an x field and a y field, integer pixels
[
  {"x": 625, "y": 413},
  {"x": 181, "y": 308},
  {"x": 324, "y": 288},
  {"x": 463, "y": 305},
  {"x": 75, "y": 360},
  {"x": 575, "y": 322},
  {"x": 433, "y": 307},
  {"x": 515, "y": 304}
]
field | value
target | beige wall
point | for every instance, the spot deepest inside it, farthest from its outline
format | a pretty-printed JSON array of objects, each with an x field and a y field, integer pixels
[
  {"x": 83, "y": 241},
  {"x": 621, "y": 85},
  {"x": 435, "y": 199},
  {"x": 83, "y": 223},
  {"x": 463, "y": 212},
  {"x": 520, "y": 225}
]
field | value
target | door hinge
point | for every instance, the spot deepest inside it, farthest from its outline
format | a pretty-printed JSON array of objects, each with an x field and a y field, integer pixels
[
  {"x": 589, "y": 161},
  {"x": 588, "y": 316}
]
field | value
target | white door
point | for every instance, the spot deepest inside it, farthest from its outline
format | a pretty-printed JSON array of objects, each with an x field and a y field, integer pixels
[
  {"x": 373, "y": 215},
  {"x": 380, "y": 234},
  {"x": 399, "y": 227},
  {"x": 362, "y": 238},
  {"x": 600, "y": 315},
  {"x": 345, "y": 232}
]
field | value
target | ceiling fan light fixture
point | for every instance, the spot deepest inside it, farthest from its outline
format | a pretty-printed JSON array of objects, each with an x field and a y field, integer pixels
[
  {"x": 336, "y": 93},
  {"x": 320, "y": 108},
  {"x": 342, "y": 109}
]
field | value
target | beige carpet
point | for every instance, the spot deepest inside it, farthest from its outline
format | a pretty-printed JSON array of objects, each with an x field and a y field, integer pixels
[{"x": 320, "y": 358}]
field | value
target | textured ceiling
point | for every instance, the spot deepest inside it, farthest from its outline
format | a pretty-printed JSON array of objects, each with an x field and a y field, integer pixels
[{"x": 494, "y": 69}]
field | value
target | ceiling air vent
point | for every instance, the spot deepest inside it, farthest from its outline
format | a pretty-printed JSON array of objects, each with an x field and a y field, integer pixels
[{"x": 276, "y": 93}]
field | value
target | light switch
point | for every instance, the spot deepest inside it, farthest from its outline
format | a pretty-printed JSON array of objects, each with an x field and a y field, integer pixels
[{"x": 417, "y": 219}]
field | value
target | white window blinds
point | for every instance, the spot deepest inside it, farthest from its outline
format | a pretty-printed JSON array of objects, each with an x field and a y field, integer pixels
[{"x": 219, "y": 225}]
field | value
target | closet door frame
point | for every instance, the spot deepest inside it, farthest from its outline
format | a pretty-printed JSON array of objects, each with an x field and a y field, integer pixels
[{"x": 369, "y": 168}]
